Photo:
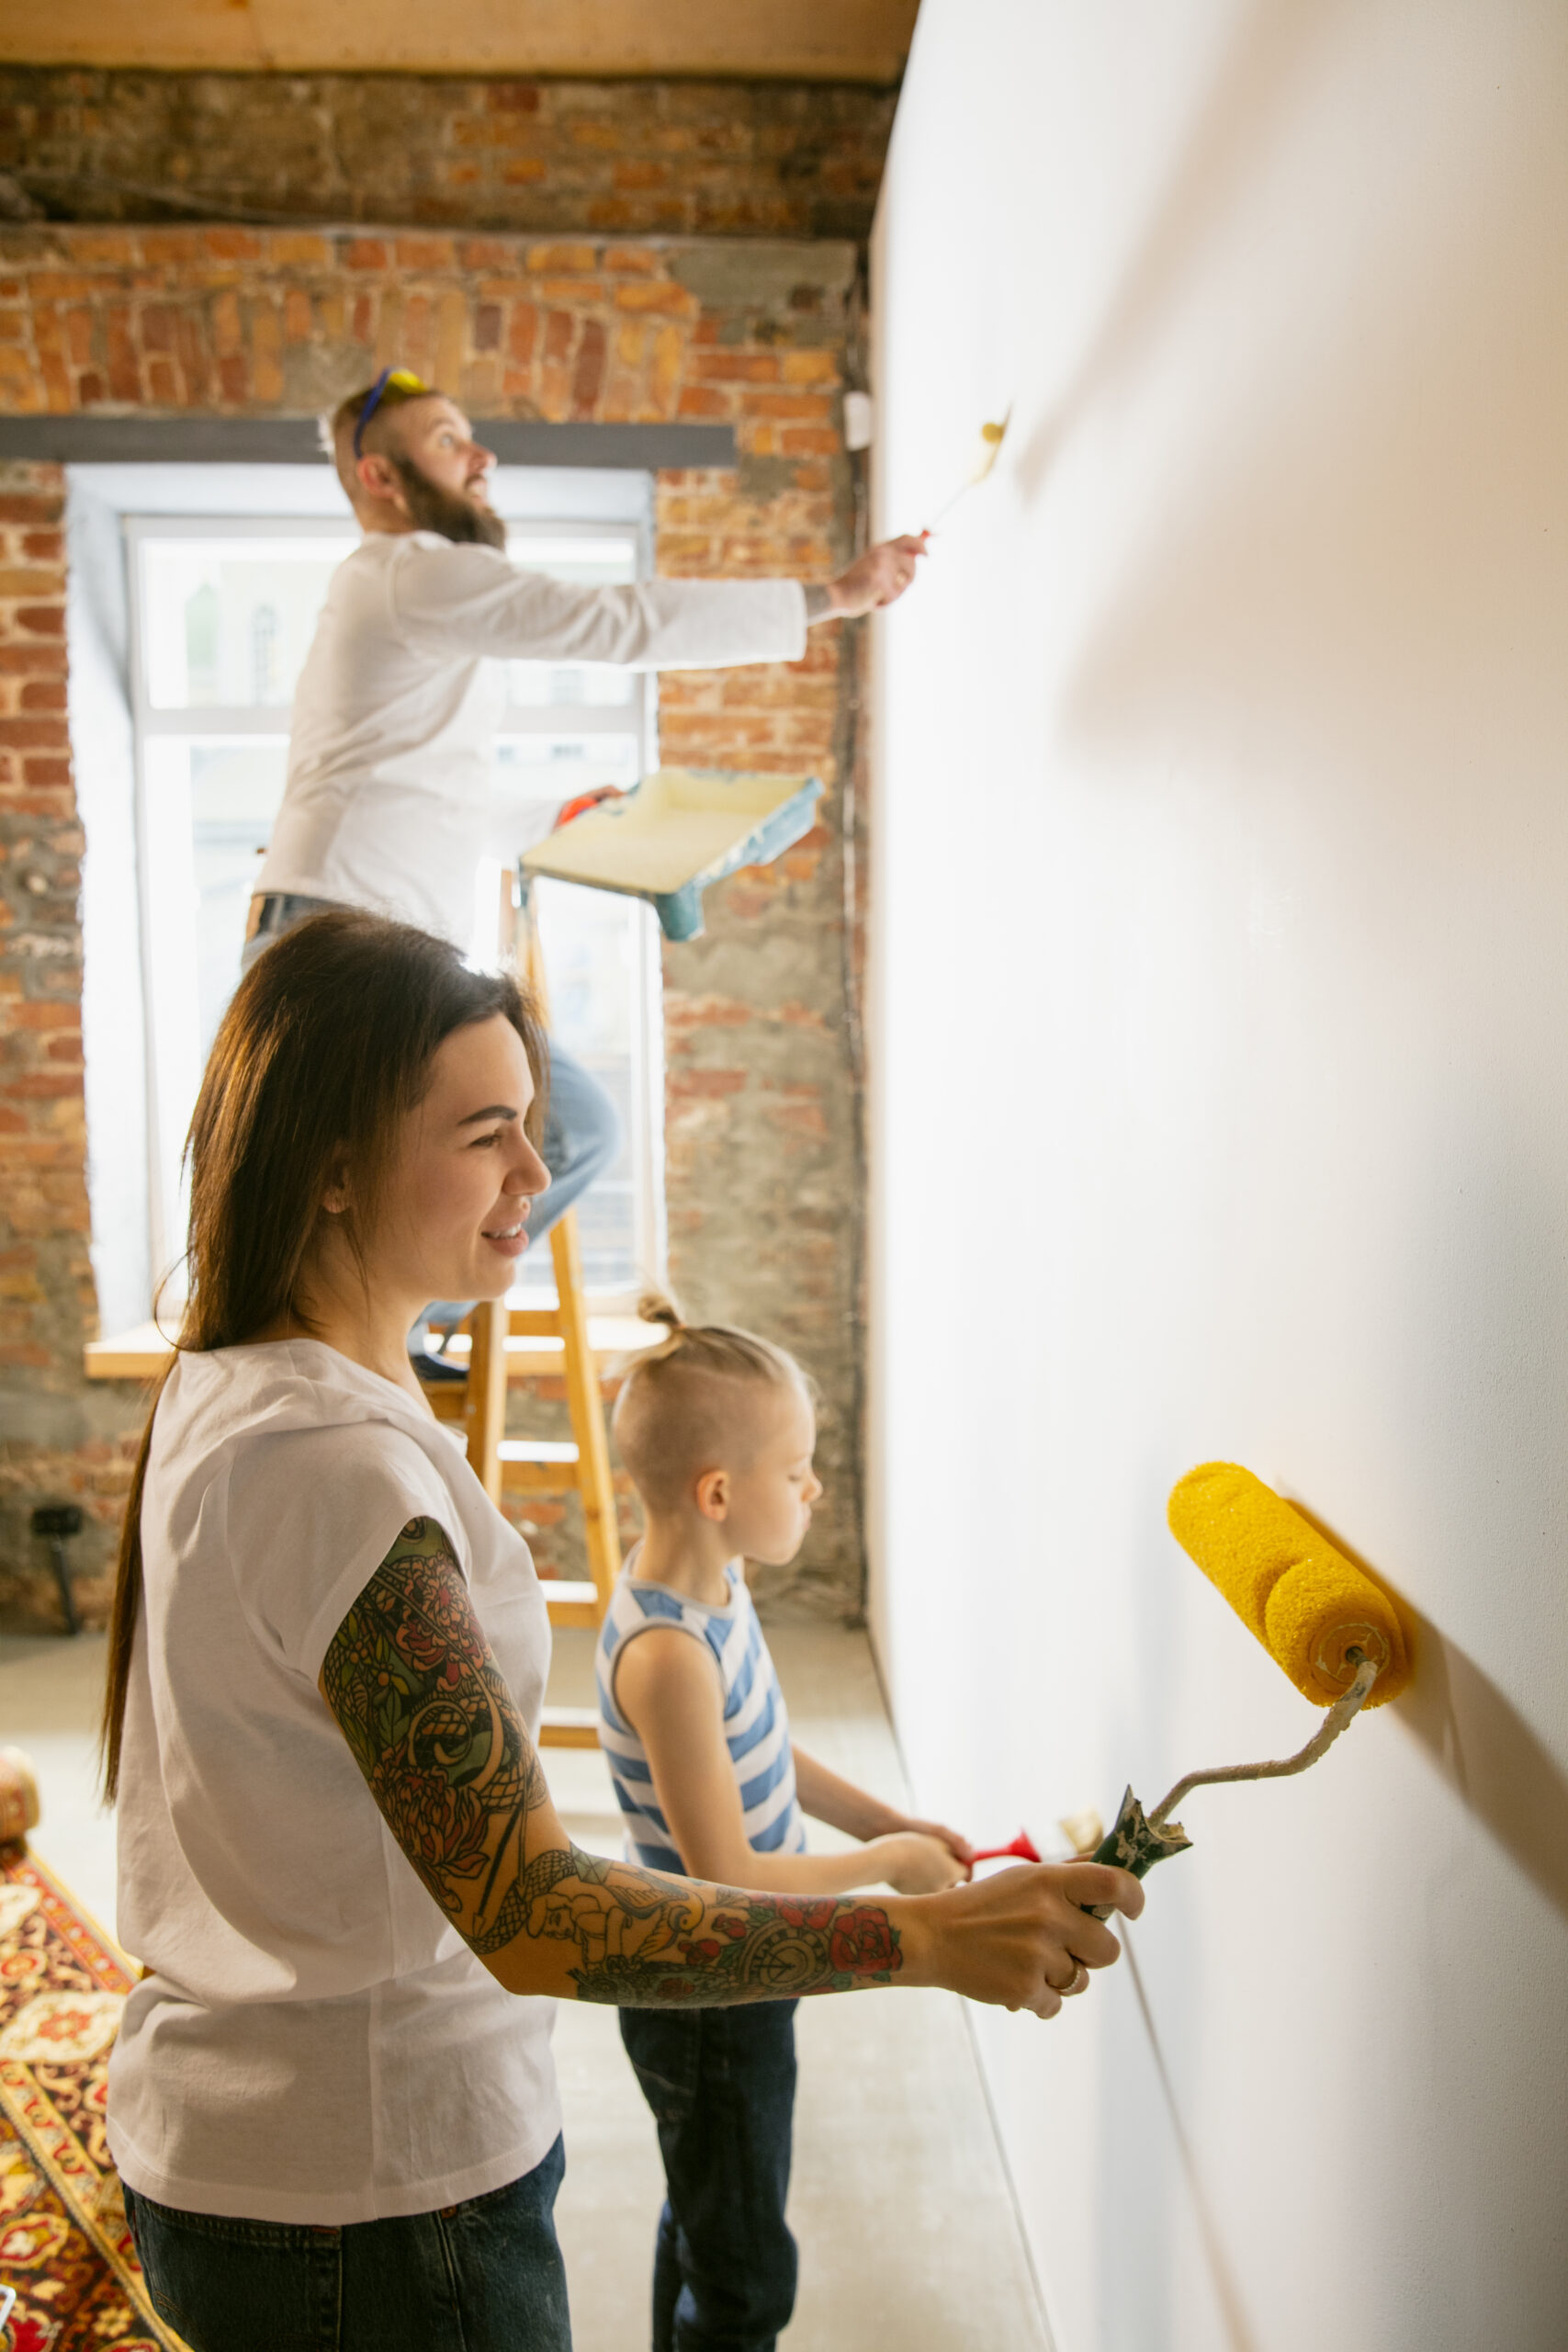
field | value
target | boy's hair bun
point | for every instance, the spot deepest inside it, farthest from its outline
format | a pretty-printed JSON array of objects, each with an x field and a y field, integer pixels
[{"x": 653, "y": 1307}]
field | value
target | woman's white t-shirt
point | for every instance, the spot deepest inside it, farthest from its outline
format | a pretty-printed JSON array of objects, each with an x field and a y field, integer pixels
[{"x": 315, "y": 2044}]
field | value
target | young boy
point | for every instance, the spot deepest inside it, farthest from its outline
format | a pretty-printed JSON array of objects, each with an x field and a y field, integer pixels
[{"x": 717, "y": 1429}]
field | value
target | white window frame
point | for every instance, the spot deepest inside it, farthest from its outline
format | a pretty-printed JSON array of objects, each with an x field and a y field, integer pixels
[{"x": 637, "y": 716}]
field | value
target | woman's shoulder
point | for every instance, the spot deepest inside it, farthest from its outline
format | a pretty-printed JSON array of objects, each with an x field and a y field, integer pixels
[{"x": 271, "y": 1401}]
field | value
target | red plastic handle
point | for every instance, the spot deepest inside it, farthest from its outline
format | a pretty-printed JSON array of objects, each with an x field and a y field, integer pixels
[
  {"x": 1021, "y": 1851},
  {"x": 571, "y": 810}
]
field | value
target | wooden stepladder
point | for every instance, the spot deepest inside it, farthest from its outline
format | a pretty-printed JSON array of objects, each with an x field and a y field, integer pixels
[{"x": 507, "y": 1343}]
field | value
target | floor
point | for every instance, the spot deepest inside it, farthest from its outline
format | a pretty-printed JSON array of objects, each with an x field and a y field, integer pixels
[{"x": 900, "y": 2202}]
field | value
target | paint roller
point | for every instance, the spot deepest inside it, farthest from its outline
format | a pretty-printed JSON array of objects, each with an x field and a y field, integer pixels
[
  {"x": 989, "y": 449},
  {"x": 1334, "y": 1631}
]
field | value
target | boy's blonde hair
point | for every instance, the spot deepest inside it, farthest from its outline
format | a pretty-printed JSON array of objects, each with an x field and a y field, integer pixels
[{"x": 672, "y": 1419}]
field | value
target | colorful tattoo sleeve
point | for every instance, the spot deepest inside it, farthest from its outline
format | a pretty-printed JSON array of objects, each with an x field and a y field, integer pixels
[{"x": 434, "y": 1728}]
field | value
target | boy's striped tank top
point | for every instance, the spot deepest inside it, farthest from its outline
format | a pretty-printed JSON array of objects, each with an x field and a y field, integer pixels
[{"x": 756, "y": 1724}]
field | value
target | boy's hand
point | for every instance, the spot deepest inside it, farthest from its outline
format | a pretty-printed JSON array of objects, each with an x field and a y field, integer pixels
[
  {"x": 1022, "y": 1938},
  {"x": 914, "y": 1863},
  {"x": 957, "y": 1846}
]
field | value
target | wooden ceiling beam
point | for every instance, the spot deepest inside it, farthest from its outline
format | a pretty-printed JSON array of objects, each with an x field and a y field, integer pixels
[{"x": 816, "y": 40}]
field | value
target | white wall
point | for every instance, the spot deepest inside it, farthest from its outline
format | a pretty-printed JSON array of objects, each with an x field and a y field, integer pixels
[{"x": 1222, "y": 1040}]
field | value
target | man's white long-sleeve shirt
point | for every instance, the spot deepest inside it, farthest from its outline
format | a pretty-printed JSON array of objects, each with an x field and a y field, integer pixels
[{"x": 387, "y": 801}]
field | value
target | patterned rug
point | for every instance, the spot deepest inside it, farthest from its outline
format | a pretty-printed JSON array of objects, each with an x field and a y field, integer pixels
[{"x": 64, "y": 2243}]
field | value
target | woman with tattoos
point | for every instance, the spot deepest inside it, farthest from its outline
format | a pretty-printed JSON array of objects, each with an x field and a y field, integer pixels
[{"x": 332, "y": 2101}]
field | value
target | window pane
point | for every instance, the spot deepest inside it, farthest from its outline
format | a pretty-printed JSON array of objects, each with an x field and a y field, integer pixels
[
  {"x": 531, "y": 769},
  {"x": 602, "y": 562},
  {"x": 235, "y": 789},
  {"x": 534, "y": 685},
  {"x": 208, "y": 810},
  {"x": 594, "y": 962},
  {"x": 228, "y": 622}
]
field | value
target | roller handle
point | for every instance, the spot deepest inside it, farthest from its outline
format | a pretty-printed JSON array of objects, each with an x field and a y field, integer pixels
[{"x": 1138, "y": 1841}]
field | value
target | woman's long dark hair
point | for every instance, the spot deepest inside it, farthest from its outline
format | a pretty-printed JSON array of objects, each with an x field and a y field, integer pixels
[{"x": 325, "y": 1046}]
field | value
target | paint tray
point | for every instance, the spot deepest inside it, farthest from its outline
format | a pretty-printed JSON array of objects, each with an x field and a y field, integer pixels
[{"x": 680, "y": 830}]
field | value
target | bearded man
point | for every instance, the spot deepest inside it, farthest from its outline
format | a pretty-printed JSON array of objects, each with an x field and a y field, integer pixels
[{"x": 388, "y": 799}]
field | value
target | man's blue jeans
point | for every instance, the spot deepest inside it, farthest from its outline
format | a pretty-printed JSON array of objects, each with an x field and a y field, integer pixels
[
  {"x": 721, "y": 2085},
  {"x": 486, "y": 2276}
]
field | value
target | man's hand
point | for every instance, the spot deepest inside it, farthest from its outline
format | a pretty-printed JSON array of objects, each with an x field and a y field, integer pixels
[
  {"x": 569, "y": 810},
  {"x": 878, "y": 577}
]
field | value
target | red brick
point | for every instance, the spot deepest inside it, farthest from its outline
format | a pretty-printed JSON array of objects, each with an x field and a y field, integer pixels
[
  {"x": 292, "y": 250},
  {"x": 33, "y": 734},
  {"x": 653, "y": 295},
  {"x": 40, "y": 1085},
  {"x": 588, "y": 376},
  {"x": 423, "y": 253},
  {"x": 31, "y": 1014},
  {"x": 701, "y": 399},
  {"x": 707, "y": 1084},
  {"x": 190, "y": 339},
  {"x": 559, "y": 259},
  {"x": 232, "y": 244}
]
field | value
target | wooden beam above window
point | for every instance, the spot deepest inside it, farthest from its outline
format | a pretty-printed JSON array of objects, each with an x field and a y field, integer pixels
[{"x": 293, "y": 441}]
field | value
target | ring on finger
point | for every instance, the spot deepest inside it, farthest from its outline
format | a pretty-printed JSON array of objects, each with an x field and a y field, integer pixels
[{"x": 1071, "y": 1986}]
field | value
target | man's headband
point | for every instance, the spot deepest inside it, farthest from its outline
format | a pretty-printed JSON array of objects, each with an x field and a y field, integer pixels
[{"x": 402, "y": 379}]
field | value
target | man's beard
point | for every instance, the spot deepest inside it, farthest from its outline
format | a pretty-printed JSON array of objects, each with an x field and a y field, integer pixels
[{"x": 462, "y": 519}]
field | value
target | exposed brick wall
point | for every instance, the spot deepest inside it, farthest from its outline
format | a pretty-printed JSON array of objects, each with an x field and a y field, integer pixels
[
  {"x": 58, "y": 1444},
  {"x": 762, "y": 1160},
  {"x": 693, "y": 158}
]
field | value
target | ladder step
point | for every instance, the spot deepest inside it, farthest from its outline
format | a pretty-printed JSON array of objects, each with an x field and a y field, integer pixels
[
  {"x": 571, "y": 1600},
  {"x": 536, "y": 1322},
  {"x": 569, "y": 1727},
  {"x": 534, "y": 1465},
  {"x": 540, "y": 1478}
]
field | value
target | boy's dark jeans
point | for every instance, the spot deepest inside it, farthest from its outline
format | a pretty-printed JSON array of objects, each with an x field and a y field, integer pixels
[
  {"x": 486, "y": 2275},
  {"x": 721, "y": 2085}
]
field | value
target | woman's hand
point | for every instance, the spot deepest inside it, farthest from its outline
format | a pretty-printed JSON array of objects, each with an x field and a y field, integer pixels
[
  {"x": 914, "y": 1863},
  {"x": 1021, "y": 1937}
]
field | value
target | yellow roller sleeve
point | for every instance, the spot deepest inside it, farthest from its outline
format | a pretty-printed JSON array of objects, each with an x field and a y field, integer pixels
[{"x": 1307, "y": 1603}]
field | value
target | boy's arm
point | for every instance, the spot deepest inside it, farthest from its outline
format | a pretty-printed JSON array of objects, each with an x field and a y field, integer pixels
[
  {"x": 827, "y": 1797},
  {"x": 667, "y": 1687}
]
